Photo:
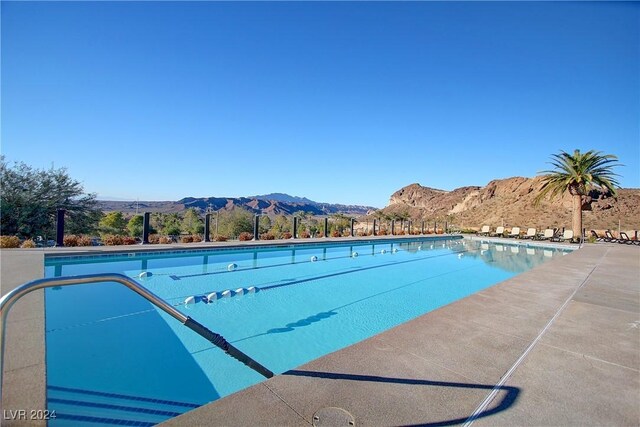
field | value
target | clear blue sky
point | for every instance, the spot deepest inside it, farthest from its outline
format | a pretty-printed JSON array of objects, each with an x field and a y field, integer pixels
[{"x": 342, "y": 102}]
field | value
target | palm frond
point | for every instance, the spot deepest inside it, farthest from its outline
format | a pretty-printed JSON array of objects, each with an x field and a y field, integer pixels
[{"x": 579, "y": 172}]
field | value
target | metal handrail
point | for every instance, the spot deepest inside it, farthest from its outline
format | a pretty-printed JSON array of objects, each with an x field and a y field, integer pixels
[{"x": 7, "y": 301}]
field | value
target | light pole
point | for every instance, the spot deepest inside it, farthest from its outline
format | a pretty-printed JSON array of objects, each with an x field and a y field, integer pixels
[{"x": 256, "y": 226}]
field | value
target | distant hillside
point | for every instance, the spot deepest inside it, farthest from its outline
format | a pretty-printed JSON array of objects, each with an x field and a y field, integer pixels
[
  {"x": 269, "y": 204},
  {"x": 511, "y": 200},
  {"x": 282, "y": 197}
]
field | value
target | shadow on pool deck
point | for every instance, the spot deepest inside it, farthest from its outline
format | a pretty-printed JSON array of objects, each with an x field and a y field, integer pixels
[
  {"x": 576, "y": 317},
  {"x": 507, "y": 399}
]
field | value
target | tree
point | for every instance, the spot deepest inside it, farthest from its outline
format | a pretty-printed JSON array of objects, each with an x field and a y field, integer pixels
[
  {"x": 578, "y": 174},
  {"x": 171, "y": 225},
  {"x": 113, "y": 223},
  {"x": 340, "y": 222},
  {"x": 281, "y": 224},
  {"x": 134, "y": 226},
  {"x": 314, "y": 226},
  {"x": 236, "y": 221},
  {"x": 191, "y": 222},
  {"x": 156, "y": 222},
  {"x": 30, "y": 197},
  {"x": 264, "y": 224}
]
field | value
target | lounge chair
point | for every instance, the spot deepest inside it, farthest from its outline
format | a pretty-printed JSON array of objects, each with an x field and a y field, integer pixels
[
  {"x": 484, "y": 231},
  {"x": 531, "y": 234},
  {"x": 624, "y": 238},
  {"x": 567, "y": 235},
  {"x": 515, "y": 232},
  {"x": 596, "y": 236},
  {"x": 499, "y": 232},
  {"x": 609, "y": 237},
  {"x": 548, "y": 234}
]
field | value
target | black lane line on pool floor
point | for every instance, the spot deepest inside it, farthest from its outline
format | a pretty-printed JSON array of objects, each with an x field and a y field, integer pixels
[
  {"x": 333, "y": 310},
  {"x": 186, "y": 276},
  {"x": 356, "y": 270},
  {"x": 181, "y": 298},
  {"x": 340, "y": 273}
]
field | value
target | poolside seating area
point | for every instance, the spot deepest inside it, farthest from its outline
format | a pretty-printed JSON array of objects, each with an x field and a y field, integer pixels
[
  {"x": 610, "y": 238},
  {"x": 558, "y": 235},
  {"x": 516, "y": 233},
  {"x": 624, "y": 238}
]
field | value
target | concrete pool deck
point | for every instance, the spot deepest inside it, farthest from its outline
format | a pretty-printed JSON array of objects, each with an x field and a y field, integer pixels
[{"x": 559, "y": 344}]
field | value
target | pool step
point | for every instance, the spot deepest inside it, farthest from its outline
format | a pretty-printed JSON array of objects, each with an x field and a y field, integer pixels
[{"x": 80, "y": 407}]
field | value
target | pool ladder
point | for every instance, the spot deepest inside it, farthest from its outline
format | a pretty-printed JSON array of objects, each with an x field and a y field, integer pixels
[{"x": 7, "y": 301}]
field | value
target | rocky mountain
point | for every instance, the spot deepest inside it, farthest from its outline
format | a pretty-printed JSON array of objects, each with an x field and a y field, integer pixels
[
  {"x": 269, "y": 204},
  {"x": 282, "y": 197},
  {"x": 510, "y": 201}
]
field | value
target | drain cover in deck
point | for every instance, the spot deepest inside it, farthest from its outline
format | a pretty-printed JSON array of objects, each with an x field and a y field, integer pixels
[{"x": 333, "y": 417}]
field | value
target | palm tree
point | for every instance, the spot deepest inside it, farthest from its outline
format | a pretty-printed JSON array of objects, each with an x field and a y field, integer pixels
[{"x": 579, "y": 174}]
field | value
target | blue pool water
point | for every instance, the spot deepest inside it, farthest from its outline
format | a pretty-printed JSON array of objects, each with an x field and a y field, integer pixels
[{"x": 113, "y": 357}]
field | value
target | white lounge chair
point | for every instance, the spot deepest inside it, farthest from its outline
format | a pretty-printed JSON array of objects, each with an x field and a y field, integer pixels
[
  {"x": 515, "y": 232},
  {"x": 499, "y": 232},
  {"x": 548, "y": 234},
  {"x": 531, "y": 234},
  {"x": 567, "y": 235},
  {"x": 484, "y": 231}
]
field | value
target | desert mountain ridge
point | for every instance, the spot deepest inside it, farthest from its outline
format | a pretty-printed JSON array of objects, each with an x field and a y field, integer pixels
[
  {"x": 510, "y": 202},
  {"x": 268, "y": 204}
]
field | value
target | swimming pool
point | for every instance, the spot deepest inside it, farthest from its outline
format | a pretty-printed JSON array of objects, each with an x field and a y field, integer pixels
[{"x": 112, "y": 357}]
